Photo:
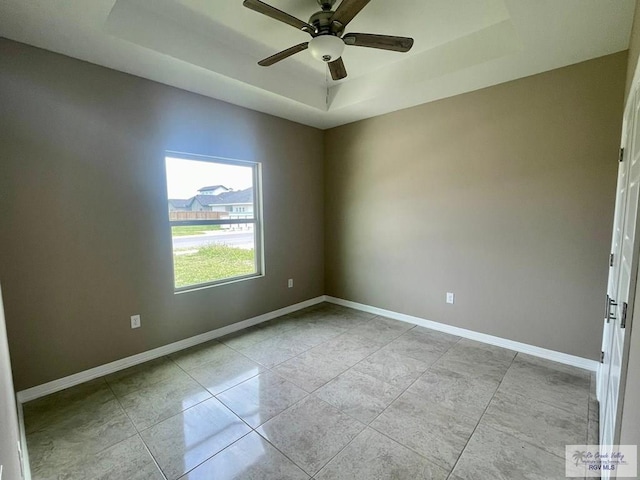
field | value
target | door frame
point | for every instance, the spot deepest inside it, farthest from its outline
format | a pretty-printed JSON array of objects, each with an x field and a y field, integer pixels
[{"x": 632, "y": 100}]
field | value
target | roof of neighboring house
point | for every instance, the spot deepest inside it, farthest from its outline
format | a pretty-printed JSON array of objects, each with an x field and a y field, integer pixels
[
  {"x": 179, "y": 203},
  {"x": 211, "y": 187},
  {"x": 227, "y": 198}
]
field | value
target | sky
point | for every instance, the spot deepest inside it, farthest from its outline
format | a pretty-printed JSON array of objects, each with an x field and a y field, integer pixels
[{"x": 185, "y": 177}]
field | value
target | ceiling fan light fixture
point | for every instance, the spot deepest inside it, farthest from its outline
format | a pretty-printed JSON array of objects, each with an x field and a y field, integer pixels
[{"x": 326, "y": 48}]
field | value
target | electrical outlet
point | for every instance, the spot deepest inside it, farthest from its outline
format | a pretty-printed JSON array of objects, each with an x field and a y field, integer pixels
[
  {"x": 135, "y": 321},
  {"x": 450, "y": 297},
  {"x": 290, "y": 283}
]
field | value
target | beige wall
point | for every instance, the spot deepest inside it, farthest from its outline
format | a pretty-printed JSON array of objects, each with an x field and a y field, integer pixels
[
  {"x": 9, "y": 433},
  {"x": 84, "y": 239},
  {"x": 503, "y": 196},
  {"x": 630, "y": 430}
]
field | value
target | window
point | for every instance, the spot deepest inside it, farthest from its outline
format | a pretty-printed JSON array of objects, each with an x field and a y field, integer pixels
[{"x": 214, "y": 213}]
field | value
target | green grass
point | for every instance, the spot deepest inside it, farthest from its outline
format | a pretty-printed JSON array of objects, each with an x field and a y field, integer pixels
[
  {"x": 193, "y": 230},
  {"x": 211, "y": 263}
]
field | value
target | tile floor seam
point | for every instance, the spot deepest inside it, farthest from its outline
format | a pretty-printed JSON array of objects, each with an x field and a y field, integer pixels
[
  {"x": 74, "y": 462},
  {"x": 550, "y": 403},
  {"x": 321, "y": 343},
  {"x": 516, "y": 439},
  {"x": 146, "y": 447},
  {"x": 351, "y": 368},
  {"x": 155, "y": 461},
  {"x": 348, "y": 443},
  {"x": 206, "y": 363},
  {"x": 389, "y": 404},
  {"x": 411, "y": 384},
  {"x": 45, "y": 427},
  {"x": 272, "y": 369},
  {"x": 230, "y": 387},
  {"x": 543, "y": 400},
  {"x": 300, "y": 386},
  {"x": 528, "y": 441},
  {"x": 237, "y": 415},
  {"x": 331, "y": 459},
  {"x": 409, "y": 448},
  {"x": 441, "y": 465},
  {"x": 183, "y": 474},
  {"x": 124, "y": 410},
  {"x": 481, "y": 417},
  {"x": 395, "y": 373},
  {"x": 282, "y": 453},
  {"x": 261, "y": 364},
  {"x": 547, "y": 403},
  {"x": 176, "y": 413}
]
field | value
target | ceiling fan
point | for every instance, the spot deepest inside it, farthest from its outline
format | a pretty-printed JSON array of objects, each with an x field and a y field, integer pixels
[{"x": 326, "y": 28}]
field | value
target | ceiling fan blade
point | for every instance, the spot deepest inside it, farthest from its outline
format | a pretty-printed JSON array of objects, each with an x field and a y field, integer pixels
[
  {"x": 347, "y": 10},
  {"x": 337, "y": 69},
  {"x": 269, "y": 11},
  {"x": 384, "y": 42},
  {"x": 283, "y": 54}
]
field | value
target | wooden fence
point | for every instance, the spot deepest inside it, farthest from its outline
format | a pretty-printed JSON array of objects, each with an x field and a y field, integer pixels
[{"x": 173, "y": 216}]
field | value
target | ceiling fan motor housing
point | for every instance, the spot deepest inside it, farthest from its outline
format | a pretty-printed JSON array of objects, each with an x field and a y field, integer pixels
[{"x": 324, "y": 25}]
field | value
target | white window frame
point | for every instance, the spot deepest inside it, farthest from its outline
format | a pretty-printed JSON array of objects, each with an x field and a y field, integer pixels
[{"x": 256, "y": 221}]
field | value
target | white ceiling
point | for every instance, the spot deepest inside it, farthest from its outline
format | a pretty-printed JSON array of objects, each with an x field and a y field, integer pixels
[{"x": 212, "y": 47}]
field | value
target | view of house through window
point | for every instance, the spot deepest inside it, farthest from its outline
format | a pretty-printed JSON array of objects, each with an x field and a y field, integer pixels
[{"x": 215, "y": 222}]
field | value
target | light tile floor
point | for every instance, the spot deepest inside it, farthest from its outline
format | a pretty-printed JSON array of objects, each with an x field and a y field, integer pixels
[{"x": 325, "y": 393}]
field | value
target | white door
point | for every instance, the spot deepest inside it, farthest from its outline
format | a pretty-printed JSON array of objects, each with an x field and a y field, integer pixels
[
  {"x": 612, "y": 286},
  {"x": 622, "y": 277}
]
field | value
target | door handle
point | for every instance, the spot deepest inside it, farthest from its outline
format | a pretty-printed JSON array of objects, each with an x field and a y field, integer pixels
[{"x": 607, "y": 309}]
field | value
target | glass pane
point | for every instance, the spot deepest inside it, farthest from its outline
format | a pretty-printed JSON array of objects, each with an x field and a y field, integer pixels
[
  {"x": 210, "y": 190},
  {"x": 203, "y": 256}
]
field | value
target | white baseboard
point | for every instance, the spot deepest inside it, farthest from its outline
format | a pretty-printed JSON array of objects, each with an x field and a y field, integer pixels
[
  {"x": 552, "y": 355},
  {"x": 81, "y": 377}
]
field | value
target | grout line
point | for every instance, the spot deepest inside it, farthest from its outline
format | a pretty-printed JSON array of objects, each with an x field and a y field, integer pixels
[
  {"x": 155, "y": 462},
  {"x": 544, "y": 399},
  {"x": 153, "y": 458},
  {"x": 482, "y": 416},
  {"x": 306, "y": 397},
  {"x": 283, "y": 454},
  {"x": 121, "y": 406},
  {"x": 419, "y": 376},
  {"x": 310, "y": 394},
  {"x": 352, "y": 329},
  {"x": 366, "y": 425},
  {"x": 348, "y": 443},
  {"x": 406, "y": 391},
  {"x": 214, "y": 455}
]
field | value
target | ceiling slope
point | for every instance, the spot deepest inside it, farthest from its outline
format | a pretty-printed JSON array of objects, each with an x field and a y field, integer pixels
[{"x": 212, "y": 48}]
